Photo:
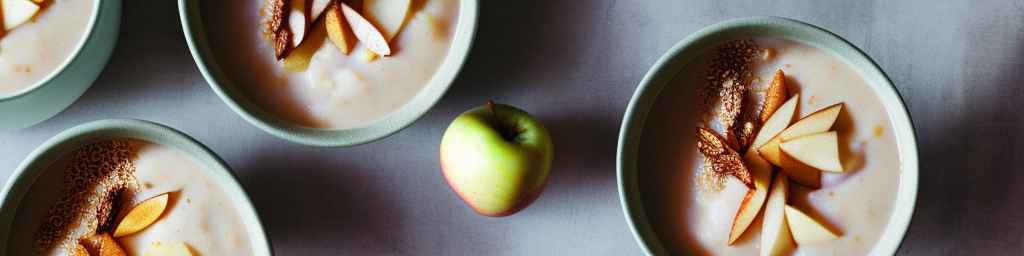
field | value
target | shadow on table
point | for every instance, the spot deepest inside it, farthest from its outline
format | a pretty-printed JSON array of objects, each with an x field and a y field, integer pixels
[
  {"x": 319, "y": 203},
  {"x": 971, "y": 156},
  {"x": 584, "y": 154},
  {"x": 521, "y": 41}
]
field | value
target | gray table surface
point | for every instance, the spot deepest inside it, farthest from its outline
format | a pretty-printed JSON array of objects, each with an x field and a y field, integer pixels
[{"x": 574, "y": 64}]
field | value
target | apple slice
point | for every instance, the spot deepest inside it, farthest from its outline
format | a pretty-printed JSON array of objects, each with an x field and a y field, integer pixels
[
  {"x": 751, "y": 205},
  {"x": 776, "y": 123},
  {"x": 142, "y": 215},
  {"x": 102, "y": 245},
  {"x": 298, "y": 22},
  {"x": 770, "y": 151},
  {"x": 800, "y": 172},
  {"x": 338, "y": 30},
  {"x": 805, "y": 229},
  {"x": 298, "y": 59},
  {"x": 820, "y": 151},
  {"x": 17, "y": 12},
  {"x": 176, "y": 249},
  {"x": 80, "y": 250},
  {"x": 365, "y": 31},
  {"x": 775, "y": 96},
  {"x": 775, "y": 236},
  {"x": 387, "y": 15},
  {"x": 760, "y": 169},
  {"x": 817, "y": 122},
  {"x": 318, "y": 7}
]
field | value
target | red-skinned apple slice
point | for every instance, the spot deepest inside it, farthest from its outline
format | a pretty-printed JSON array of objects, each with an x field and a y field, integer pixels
[
  {"x": 775, "y": 235},
  {"x": 817, "y": 122},
  {"x": 820, "y": 151},
  {"x": 775, "y": 96},
  {"x": 805, "y": 229},
  {"x": 800, "y": 172},
  {"x": 751, "y": 205},
  {"x": 365, "y": 31},
  {"x": 760, "y": 169},
  {"x": 779, "y": 120}
]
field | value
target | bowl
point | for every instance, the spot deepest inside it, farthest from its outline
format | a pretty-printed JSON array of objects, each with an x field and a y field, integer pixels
[
  {"x": 25, "y": 176},
  {"x": 234, "y": 97},
  {"x": 63, "y": 86},
  {"x": 672, "y": 62}
]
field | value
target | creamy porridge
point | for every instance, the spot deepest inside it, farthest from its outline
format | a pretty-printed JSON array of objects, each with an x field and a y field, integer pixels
[
  {"x": 31, "y": 51},
  {"x": 329, "y": 88},
  {"x": 193, "y": 215},
  {"x": 694, "y": 213}
]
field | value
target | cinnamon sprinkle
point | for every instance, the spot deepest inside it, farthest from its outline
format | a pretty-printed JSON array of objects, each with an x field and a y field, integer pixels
[
  {"x": 725, "y": 91},
  {"x": 98, "y": 179}
]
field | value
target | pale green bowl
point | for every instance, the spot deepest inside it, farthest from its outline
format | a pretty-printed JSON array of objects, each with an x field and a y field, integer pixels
[
  {"x": 234, "y": 96},
  {"x": 63, "y": 86},
  {"x": 686, "y": 50},
  {"x": 32, "y": 168}
]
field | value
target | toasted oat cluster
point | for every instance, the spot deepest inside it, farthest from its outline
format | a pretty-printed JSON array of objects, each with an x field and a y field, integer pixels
[
  {"x": 730, "y": 67},
  {"x": 98, "y": 179}
]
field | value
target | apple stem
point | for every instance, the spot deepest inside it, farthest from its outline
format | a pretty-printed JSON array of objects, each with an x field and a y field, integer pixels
[
  {"x": 503, "y": 129},
  {"x": 490, "y": 105}
]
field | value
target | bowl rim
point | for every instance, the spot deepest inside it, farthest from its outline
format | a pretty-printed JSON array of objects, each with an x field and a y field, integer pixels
[
  {"x": 79, "y": 46},
  {"x": 30, "y": 169},
  {"x": 424, "y": 100},
  {"x": 666, "y": 67}
]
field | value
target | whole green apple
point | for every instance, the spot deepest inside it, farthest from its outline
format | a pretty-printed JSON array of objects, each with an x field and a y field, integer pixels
[{"x": 497, "y": 158}]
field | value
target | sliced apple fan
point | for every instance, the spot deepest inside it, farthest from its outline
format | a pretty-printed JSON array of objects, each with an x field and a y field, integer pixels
[
  {"x": 375, "y": 25},
  {"x": 801, "y": 150}
]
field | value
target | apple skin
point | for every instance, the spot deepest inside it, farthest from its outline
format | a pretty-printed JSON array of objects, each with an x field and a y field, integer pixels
[{"x": 496, "y": 175}]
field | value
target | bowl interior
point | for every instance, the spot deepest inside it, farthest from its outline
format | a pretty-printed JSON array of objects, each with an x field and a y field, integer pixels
[
  {"x": 231, "y": 93},
  {"x": 93, "y": 18},
  {"x": 34, "y": 172},
  {"x": 639, "y": 182}
]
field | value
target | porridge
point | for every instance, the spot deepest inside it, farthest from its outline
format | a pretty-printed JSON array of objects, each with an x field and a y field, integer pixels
[
  {"x": 792, "y": 155},
  {"x": 36, "y": 38},
  {"x": 131, "y": 197},
  {"x": 335, "y": 65}
]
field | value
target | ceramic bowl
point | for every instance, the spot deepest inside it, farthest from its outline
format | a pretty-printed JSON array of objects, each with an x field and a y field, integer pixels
[
  {"x": 25, "y": 176},
  {"x": 231, "y": 93},
  {"x": 64, "y": 85},
  {"x": 686, "y": 50}
]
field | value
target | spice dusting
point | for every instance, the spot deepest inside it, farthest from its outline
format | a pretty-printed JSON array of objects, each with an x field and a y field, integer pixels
[
  {"x": 99, "y": 178},
  {"x": 725, "y": 90}
]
